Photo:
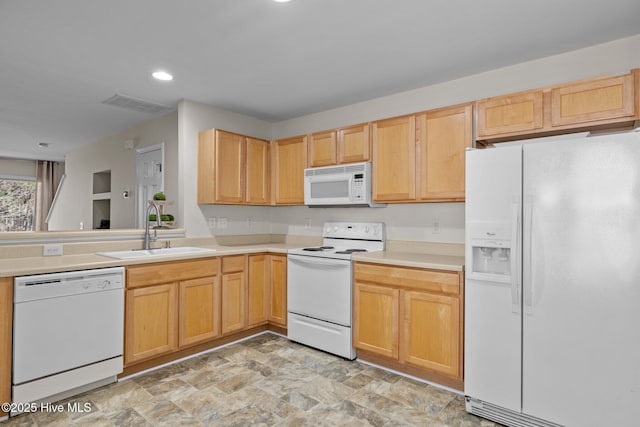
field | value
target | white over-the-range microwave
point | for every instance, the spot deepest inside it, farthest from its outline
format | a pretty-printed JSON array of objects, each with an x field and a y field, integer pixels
[{"x": 344, "y": 185}]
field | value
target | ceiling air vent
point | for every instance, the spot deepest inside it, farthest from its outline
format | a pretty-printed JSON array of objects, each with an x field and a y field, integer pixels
[{"x": 137, "y": 104}]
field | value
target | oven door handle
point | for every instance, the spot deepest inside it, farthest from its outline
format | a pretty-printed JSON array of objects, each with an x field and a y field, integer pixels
[{"x": 320, "y": 261}]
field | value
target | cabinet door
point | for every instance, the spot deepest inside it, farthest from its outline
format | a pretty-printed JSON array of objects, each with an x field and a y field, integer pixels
[
  {"x": 151, "y": 317},
  {"x": 289, "y": 160},
  {"x": 354, "y": 144},
  {"x": 257, "y": 178},
  {"x": 375, "y": 319},
  {"x": 233, "y": 302},
  {"x": 509, "y": 114},
  {"x": 206, "y": 166},
  {"x": 322, "y": 149},
  {"x": 6, "y": 330},
  {"x": 229, "y": 167},
  {"x": 603, "y": 99},
  {"x": 257, "y": 290},
  {"x": 431, "y": 332},
  {"x": 199, "y": 310},
  {"x": 394, "y": 151},
  {"x": 278, "y": 290},
  {"x": 446, "y": 135}
]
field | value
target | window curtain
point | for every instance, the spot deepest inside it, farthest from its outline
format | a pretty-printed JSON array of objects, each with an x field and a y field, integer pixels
[{"x": 48, "y": 176}]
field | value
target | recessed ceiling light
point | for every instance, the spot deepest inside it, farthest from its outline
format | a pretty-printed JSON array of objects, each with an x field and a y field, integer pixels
[
  {"x": 43, "y": 144},
  {"x": 162, "y": 75},
  {"x": 282, "y": 1}
]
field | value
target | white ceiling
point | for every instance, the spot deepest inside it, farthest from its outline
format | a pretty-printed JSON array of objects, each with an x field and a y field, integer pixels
[{"x": 60, "y": 59}]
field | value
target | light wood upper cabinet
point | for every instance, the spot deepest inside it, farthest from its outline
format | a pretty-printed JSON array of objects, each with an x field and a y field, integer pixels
[
  {"x": 346, "y": 145},
  {"x": 278, "y": 290},
  {"x": 6, "y": 340},
  {"x": 232, "y": 168},
  {"x": 258, "y": 181},
  {"x": 322, "y": 149},
  {"x": 602, "y": 99},
  {"x": 394, "y": 154},
  {"x": 199, "y": 310},
  {"x": 354, "y": 144},
  {"x": 151, "y": 315},
  {"x": 510, "y": 113},
  {"x": 446, "y": 134},
  {"x": 602, "y": 102},
  {"x": 289, "y": 159}
]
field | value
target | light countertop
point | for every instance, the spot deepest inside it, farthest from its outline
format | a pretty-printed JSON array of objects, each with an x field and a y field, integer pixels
[{"x": 38, "y": 264}]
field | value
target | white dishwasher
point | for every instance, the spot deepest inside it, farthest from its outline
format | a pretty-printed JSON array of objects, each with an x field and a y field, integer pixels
[{"x": 67, "y": 333}]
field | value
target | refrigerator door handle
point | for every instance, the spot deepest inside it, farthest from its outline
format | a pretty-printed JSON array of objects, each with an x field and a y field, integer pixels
[
  {"x": 528, "y": 284},
  {"x": 515, "y": 240}
]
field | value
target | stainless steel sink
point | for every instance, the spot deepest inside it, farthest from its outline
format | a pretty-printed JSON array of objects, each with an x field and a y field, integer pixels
[{"x": 147, "y": 253}]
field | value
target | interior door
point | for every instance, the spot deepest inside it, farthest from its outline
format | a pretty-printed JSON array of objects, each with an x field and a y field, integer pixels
[
  {"x": 149, "y": 178},
  {"x": 581, "y": 341},
  {"x": 492, "y": 364}
]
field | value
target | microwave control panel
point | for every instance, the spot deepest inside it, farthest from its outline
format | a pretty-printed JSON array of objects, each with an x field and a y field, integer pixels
[{"x": 359, "y": 187}]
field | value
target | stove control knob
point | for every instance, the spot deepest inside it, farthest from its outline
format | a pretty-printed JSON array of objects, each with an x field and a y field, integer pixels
[
  {"x": 366, "y": 229},
  {"x": 335, "y": 228}
]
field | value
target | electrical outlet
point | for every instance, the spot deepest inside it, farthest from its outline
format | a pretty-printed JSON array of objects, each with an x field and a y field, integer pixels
[
  {"x": 249, "y": 222},
  {"x": 435, "y": 228},
  {"x": 307, "y": 223},
  {"x": 222, "y": 222},
  {"x": 52, "y": 250},
  {"x": 211, "y": 222}
]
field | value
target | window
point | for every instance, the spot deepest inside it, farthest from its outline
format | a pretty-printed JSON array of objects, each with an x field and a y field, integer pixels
[{"x": 17, "y": 204}]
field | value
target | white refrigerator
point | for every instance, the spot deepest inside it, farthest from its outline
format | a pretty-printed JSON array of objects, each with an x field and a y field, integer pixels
[{"x": 552, "y": 288}]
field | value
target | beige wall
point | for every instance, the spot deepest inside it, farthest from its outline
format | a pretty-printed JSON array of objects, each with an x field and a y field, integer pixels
[
  {"x": 74, "y": 205},
  {"x": 406, "y": 221}
]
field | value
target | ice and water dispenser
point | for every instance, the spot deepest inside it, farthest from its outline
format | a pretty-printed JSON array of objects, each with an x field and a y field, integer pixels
[{"x": 490, "y": 252}]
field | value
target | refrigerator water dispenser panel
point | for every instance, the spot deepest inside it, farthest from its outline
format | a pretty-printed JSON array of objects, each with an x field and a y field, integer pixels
[
  {"x": 493, "y": 260},
  {"x": 490, "y": 252}
]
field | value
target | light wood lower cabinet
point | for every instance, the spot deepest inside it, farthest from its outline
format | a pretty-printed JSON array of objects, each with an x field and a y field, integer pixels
[
  {"x": 375, "y": 319},
  {"x": 278, "y": 290},
  {"x": 410, "y": 316},
  {"x": 6, "y": 329},
  {"x": 258, "y": 290},
  {"x": 151, "y": 320},
  {"x": 267, "y": 290},
  {"x": 174, "y": 305},
  {"x": 169, "y": 306},
  {"x": 234, "y": 292},
  {"x": 199, "y": 308}
]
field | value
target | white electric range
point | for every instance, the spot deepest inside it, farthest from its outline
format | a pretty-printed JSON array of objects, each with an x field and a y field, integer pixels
[{"x": 320, "y": 291}]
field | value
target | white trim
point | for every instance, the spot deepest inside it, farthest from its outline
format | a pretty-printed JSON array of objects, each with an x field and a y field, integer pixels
[{"x": 18, "y": 178}]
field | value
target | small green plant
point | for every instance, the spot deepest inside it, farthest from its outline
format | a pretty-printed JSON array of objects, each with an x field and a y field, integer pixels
[
  {"x": 159, "y": 196},
  {"x": 166, "y": 217}
]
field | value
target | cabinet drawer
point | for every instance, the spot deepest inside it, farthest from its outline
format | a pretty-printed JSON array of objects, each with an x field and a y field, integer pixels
[
  {"x": 233, "y": 263},
  {"x": 429, "y": 280},
  {"x": 165, "y": 272}
]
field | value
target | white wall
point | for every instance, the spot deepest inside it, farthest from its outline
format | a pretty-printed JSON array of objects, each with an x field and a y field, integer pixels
[
  {"x": 74, "y": 204},
  {"x": 404, "y": 221}
]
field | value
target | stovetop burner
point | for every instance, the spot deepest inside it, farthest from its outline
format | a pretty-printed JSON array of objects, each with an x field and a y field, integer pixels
[{"x": 350, "y": 251}]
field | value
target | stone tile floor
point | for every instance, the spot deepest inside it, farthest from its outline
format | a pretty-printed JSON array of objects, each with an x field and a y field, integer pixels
[{"x": 264, "y": 381}]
